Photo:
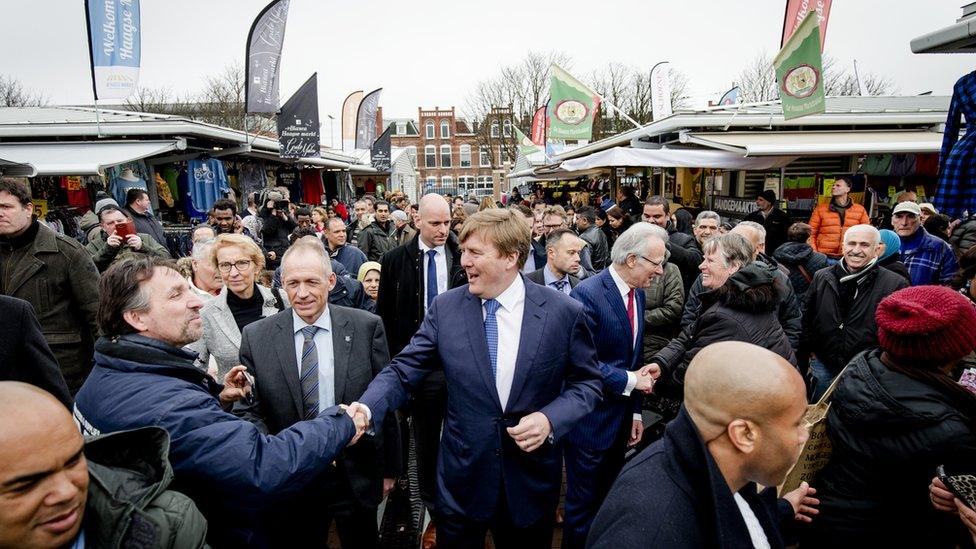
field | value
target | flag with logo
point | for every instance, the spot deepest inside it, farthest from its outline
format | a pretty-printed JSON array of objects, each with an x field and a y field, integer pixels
[
  {"x": 799, "y": 71},
  {"x": 298, "y": 123},
  {"x": 796, "y": 13},
  {"x": 525, "y": 145},
  {"x": 366, "y": 119},
  {"x": 264, "y": 43},
  {"x": 661, "y": 91},
  {"x": 539, "y": 125},
  {"x": 572, "y": 106},
  {"x": 114, "y": 46}
]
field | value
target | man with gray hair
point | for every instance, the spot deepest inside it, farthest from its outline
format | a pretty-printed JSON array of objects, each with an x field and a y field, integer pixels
[
  {"x": 306, "y": 359},
  {"x": 614, "y": 305},
  {"x": 707, "y": 223},
  {"x": 838, "y": 318},
  {"x": 204, "y": 279}
]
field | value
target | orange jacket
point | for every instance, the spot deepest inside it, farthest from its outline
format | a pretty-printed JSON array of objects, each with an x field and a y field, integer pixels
[{"x": 827, "y": 233}]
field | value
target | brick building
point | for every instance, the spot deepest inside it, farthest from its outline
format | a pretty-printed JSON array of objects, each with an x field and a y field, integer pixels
[{"x": 454, "y": 156}]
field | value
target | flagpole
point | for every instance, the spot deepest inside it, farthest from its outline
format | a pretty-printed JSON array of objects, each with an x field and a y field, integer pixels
[{"x": 98, "y": 124}]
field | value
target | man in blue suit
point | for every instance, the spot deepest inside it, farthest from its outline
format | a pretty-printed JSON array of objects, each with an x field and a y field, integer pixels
[
  {"x": 613, "y": 301},
  {"x": 521, "y": 372}
]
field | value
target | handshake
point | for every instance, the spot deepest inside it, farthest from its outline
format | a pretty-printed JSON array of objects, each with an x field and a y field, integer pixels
[
  {"x": 646, "y": 377},
  {"x": 357, "y": 412}
]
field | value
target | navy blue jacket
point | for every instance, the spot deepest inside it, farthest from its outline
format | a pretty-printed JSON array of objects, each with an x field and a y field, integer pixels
[
  {"x": 555, "y": 374},
  {"x": 617, "y": 353},
  {"x": 673, "y": 496},
  {"x": 229, "y": 469}
]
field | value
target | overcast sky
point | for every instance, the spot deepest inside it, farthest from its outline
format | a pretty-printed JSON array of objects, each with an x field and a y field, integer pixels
[{"x": 432, "y": 53}]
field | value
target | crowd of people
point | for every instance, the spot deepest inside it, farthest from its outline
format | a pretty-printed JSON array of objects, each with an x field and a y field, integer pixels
[{"x": 657, "y": 363}]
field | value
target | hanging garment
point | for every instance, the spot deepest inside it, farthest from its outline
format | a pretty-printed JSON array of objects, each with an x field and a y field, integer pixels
[
  {"x": 312, "y": 189},
  {"x": 183, "y": 192},
  {"x": 252, "y": 177},
  {"x": 120, "y": 186},
  {"x": 76, "y": 193},
  {"x": 291, "y": 179},
  {"x": 162, "y": 188},
  {"x": 206, "y": 182},
  {"x": 902, "y": 165},
  {"x": 957, "y": 162}
]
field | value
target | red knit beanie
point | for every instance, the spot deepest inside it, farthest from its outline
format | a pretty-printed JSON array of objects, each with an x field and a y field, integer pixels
[{"x": 930, "y": 324}]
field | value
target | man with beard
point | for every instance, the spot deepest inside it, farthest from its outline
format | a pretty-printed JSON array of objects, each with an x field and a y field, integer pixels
[{"x": 379, "y": 237}]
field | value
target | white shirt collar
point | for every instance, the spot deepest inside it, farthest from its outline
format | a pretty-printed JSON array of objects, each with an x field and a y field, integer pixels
[
  {"x": 324, "y": 321},
  {"x": 424, "y": 247},
  {"x": 512, "y": 295},
  {"x": 622, "y": 286}
]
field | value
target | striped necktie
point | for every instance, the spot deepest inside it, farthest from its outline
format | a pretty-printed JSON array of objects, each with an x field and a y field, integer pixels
[
  {"x": 491, "y": 334},
  {"x": 310, "y": 373}
]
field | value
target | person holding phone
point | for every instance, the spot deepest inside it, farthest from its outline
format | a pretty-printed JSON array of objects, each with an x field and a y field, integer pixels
[{"x": 118, "y": 239}]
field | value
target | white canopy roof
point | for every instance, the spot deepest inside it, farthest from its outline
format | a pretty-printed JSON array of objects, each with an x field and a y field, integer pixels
[
  {"x": 667, "y": 157},
  {"x": 812, "y": 143},
  {"x": 80, "y": 157}
]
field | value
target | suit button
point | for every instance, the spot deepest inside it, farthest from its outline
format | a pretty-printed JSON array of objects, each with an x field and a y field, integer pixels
[{"x": 498, "y": 452}]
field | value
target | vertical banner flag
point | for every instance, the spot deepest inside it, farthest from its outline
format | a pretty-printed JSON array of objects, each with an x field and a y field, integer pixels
[
  {"x": 298, "y": 123},
  {"x": 799, "y": 71},
  {"x": 114, "y": 46},
  {"x": 366, "y": 119},
  {"x": 264, "y": 43},
  {"x": 525, "y": 145},
  {"x": 571, "y": 107},
  {"x": 796, "y": 12},
  {"x": 379, "y": 153},
  {"x": 661, "y": 91},
  {"x": 349, "y": 109},
  {"x": 731, "y": 97},
  {"x": 539, "y": 125}
]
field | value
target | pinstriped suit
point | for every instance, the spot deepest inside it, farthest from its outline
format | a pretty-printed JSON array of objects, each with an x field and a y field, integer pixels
[{"x": 595, "y": 447}]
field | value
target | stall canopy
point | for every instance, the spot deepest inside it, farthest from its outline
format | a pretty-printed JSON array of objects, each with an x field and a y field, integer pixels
[
  {"x": 766, "y": 144},
  {"x": 669, "y": 157},
  {"x": 81, "y": 157}
]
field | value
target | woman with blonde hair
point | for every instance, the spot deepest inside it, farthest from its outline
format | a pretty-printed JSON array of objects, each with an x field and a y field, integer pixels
[
  {"x": 486, "y": 203},
  {"x": 242, "y": 301},
  {"x": 319, "y": 217}
]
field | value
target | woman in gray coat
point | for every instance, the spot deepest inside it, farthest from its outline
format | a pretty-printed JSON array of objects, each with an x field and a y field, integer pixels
[{"x": 241, "y": 301}]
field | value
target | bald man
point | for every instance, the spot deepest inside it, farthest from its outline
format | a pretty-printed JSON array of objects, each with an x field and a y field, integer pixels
[
  {"x": 423, "y": 268},
  {"x": 741, "y": 425},
  {"x": 49, "y": 490}
]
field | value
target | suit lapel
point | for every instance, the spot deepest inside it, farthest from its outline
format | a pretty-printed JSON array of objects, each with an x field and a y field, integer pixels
[
  {"x": 533, "y": 326},
  {"x": 474, "y": 323},
  {"x": 613, "y": 295},
  {"x": 287, "y": 361},
  {"x": 342, "y": 342}
]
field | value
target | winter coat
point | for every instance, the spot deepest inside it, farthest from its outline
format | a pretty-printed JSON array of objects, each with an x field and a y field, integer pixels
[
  {"x": 794, "y": 255},
  {"x": 24, "y": 354},
  {"x": 929, "y": 259},
  {"x": 889, "y": 433},
  {"x": 665, "y": 299},
  {"x": 146, "y": 223},
  {"x": 776, "y": 224},
  {"x": 963, "y": 236},
  {"x": 893, "y": 263},
  {"x": 597, "y": 242},
  {"x": 232, "y": 471},
  {"x": 104, "y": 255},
  {"x": 275, "y": 232},
  {"x": 686, "y": 254},
  {"x": 828, "y": 231},
  {"x": 375, "y": 241},
  {"x": 835, "y": 331},
  {"x": 403, "y": 235},
  {"x": 743, "y": 309},
  {"x": 56, "y": 276},
  {"x": 129, "y": 500}
]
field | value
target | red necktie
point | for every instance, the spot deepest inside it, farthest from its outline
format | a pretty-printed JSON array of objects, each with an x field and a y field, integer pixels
[{"x": 630, "y": 311}]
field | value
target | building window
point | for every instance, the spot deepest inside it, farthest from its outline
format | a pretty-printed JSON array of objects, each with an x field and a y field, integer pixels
[
  {"x": 412, "y": 153},
  {"x": 494, "y": 128},
  {"x": 445, "y": 129},
  {"x": 465, "y": 151},
  {"x": 502, "y": 154},
  {"x": 484, "y": 156},
  {"x": 447, "y": 181},
  {"x": 445, "y": 156},
  {"x": 430, "y": 156},
  {"x": 401, "y": 128},
  {"x": 507, "y": 128},
  {"x": 429, "y": 129},
  {"x": 431, "y": 182}
]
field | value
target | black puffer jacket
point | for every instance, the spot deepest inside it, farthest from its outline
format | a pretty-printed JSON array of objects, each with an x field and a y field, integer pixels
[
  {"x": 836, "y": 328},
  {"x": 889, "y": 432},
  {"x": 794, "y": 255},
  {"x": 744, "y": 309}
]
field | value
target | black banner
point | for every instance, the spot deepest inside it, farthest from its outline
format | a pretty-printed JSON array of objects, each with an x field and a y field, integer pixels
[
  {"x": 298, "y": 123},
  {"x": 379, "y": 153},
  {"x": 264, "y": 43},
  {"x": 366, "y": 119}
]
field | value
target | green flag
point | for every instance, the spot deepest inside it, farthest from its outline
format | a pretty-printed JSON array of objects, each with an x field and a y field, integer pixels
[
  {"x": 571, "y": 108},
  {"x": 525, "y": 145},
  {"x": 799, "y": 71}
]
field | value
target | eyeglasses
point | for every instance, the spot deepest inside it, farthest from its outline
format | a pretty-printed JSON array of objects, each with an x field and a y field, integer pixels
[
  {"x": 655, "y": 263},
  {"x": 243, "y": 266}
]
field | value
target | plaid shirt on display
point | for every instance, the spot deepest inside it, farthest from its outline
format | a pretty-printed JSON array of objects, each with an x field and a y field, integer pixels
[{"x": 957, "y": 161}]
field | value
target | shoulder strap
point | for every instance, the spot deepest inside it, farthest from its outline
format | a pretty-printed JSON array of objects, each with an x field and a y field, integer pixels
[
  {"x": 279, "y": 303},
  {"x": 805, "y": 273},
  {"x": 830, "y": 390}
]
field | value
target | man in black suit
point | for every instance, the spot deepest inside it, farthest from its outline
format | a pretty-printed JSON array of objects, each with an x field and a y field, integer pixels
[
  {"x": 307, "y": 358},
  {"x": 24, "y": 354},
  {"x": 405, "y": 293},
  {"x": 562, "y": 261}
]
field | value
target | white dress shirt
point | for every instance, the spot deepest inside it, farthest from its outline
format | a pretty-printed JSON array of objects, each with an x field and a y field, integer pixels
[
  {"x": 441, "y": 261},
  {"x": 624, "y": 289},
  {"x": 323, "y": 345},
  {"x": 509, "y": 318},
  {"x": 756, "y": 532}
]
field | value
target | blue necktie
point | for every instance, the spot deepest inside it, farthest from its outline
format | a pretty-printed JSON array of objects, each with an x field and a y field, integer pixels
[
  {"x": 560, "y": 284},
  {"x": 310, "y": 373},
  {"x": 431, "y": 277},
  {"x": 491, "y": 334}
]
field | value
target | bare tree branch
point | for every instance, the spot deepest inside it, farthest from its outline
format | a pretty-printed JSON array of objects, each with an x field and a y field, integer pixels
[{"x": 13, "y": 94}]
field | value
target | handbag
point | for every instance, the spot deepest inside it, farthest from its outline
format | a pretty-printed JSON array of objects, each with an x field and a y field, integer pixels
[{"x": 818, "y": 449}]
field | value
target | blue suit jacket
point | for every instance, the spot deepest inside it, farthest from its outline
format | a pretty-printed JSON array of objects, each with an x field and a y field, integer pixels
[
  {"x": 616, "y": 354},
  {"x": 555, "y": 373}
]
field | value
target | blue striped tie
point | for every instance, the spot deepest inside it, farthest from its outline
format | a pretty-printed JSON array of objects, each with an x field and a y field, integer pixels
[
  {"x": 431, "y": 277},
  {"x": 310, "y": 373},
  {"x": 491, "y": 334}
]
